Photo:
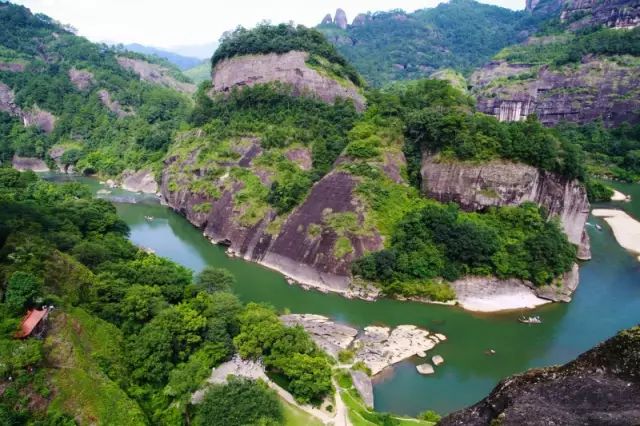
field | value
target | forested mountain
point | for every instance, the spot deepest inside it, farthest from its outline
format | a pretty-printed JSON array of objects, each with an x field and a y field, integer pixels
[
  {"x": 182, "y": 62},
  {"x": 82, "y": 104},
  {"x": 395, "y": 45}
]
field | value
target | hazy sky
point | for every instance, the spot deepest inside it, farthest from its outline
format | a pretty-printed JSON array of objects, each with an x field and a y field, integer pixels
[{"x": 185, "y": 22}]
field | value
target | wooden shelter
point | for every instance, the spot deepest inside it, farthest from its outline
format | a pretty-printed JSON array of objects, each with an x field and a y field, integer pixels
[{"x": 33, "y": 323}]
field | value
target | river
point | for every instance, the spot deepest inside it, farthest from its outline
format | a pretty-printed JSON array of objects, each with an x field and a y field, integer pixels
[{"x": 607, "y": 300}]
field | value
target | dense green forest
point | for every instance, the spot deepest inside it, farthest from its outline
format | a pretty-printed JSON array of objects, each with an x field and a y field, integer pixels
[
  {"x": 460, "y": 34},
  {"x": 100, "y": 141},
  {"x": 154, "y": 332}
]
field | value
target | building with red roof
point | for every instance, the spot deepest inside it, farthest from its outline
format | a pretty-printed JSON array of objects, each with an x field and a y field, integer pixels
[{"x": 33, "y": 323}]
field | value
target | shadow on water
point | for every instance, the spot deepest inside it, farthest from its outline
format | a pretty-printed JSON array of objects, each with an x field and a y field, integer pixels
[{"x": 607, "y": 300}]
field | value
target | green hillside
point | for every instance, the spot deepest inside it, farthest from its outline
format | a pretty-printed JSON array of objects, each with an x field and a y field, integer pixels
[{"x": 199, "y": 73}]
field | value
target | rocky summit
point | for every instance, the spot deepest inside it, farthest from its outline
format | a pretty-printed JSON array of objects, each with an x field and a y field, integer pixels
[{"x": 600, "y": 387}]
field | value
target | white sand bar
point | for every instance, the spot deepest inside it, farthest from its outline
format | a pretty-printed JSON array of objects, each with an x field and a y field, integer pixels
[{"x": 625, "y": 228}]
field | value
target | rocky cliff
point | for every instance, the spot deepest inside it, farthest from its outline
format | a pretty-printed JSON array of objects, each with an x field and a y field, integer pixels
[
  {"x": 600, "y": 387},
  {"x": 301, "y": 244},
  {"x": 596, "y": 89},
  {"x": 497, "y": 183},
  {"x": 290, "y": 68}
]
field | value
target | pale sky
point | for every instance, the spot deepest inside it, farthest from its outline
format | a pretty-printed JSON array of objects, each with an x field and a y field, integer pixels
[{"x": 186, "y": 22}]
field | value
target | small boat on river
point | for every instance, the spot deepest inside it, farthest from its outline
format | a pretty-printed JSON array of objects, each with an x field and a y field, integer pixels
[
  {"x": 148, "y": 218},
  {"x": 530, "y": 320}
]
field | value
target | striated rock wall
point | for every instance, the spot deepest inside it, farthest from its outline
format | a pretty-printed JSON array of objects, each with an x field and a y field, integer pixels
[
  {"x": 140, "y": 181},
  {"x": 81, "y": 79},
  {"x": 498, "y": 183},
  {"x": 596, "y": 89},
  {"x": 29, "y": 163},
  {"x": 611, "y": 13},
  {"x": 290, "y": 68},
  {"x": 288, "y": 245},
  {"x": 113, "y": 105},
  {"x": 34, "y": 117},
  {"x": 600, "y": 387}
]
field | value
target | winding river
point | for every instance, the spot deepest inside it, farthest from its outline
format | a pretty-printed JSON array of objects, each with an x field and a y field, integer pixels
[{"x": 607, "y": 300}]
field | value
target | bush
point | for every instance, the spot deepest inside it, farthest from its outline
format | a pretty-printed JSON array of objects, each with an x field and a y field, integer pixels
[{"x": 239, "y": 402}]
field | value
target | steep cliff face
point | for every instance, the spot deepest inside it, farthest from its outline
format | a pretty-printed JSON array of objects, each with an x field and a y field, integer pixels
[
  {"x": 290, "y": 68},
  {"x": 302, "y": 244},
  {"x": 499, "y": 183},
  {"x": 156, "y": 74},
  {"x": 37, "y": 117},
  {"x": 600, "y": 387},
  {"x": 597, "y": 88},
  {"x": 611, "y": 13}
]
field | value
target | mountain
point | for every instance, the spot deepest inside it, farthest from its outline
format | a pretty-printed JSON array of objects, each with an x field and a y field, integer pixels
[
  {"x": 579, "y": 73},
  {"x": 200, "y": 51},
  {"x": 200, "y": 72},
  {"x": 601, "y": 386},
  {"x": 182, "y": 62},
  {"x": 284, "y": 169},
  {"x": 76, "y": 104},
  {"x": 395, "y": 45}
]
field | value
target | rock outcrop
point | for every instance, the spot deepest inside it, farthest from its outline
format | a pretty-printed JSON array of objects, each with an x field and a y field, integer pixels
[
  {"x": 289, "y": 68},
  {"x": 378, "y": 347},
  {"x": 29, "y": 163},
  {"x": 140, "y": 181},
  {"x": 498, "y": 183},
  {"x": 596, "y": 89},
  {"x": 341, "y": 19},
  {"x": 37, "y": 117},
  {"x": 600, "y": 387},
  {"x": 81, "y": 79},
  {"x": 155, "y": 74},
  {"x": 300, "y": 245},
  {"x": 12, "y": 66},
  {"x": 490, "y": 294},
  {"x": 113, "y": 105},
  {"x": 611, "y": 13},
  {"x": 327, "y": 20}
]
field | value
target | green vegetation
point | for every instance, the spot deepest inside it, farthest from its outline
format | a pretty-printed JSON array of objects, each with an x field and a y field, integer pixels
[
  {"x": 240, "y": 402},
  {"x": 569, "y": 48},
  {"x": 396, "y": 45},
  {"x": 200, "y": 73},
  {"x": 287, "y": 351},
  {"x": 281, "y": 39},
  {"x": 440, "y": 241},
  {"x": 103, "y": 142}
]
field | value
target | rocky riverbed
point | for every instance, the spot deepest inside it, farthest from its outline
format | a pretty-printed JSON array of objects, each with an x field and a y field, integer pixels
[{"x": 376, "y": 347}]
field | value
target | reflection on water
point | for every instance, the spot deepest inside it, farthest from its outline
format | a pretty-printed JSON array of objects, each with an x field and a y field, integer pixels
[{"x": 607, "y": 300}]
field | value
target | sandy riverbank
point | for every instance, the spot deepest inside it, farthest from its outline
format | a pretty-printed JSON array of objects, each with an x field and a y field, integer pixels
[
  {"x": 619, "y": 196},
  {"x": 625, "y": 228}
]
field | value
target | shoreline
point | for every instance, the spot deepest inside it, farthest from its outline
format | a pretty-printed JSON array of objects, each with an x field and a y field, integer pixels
[{"x": 626, "y": 229}]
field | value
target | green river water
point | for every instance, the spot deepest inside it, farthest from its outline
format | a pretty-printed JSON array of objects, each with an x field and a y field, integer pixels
[{"x": 607, "y": 300}]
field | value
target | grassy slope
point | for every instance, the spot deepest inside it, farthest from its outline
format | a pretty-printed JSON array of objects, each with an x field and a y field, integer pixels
[
  {"x": 293, "y": 416},
  {"x": 81, "y": 349}
]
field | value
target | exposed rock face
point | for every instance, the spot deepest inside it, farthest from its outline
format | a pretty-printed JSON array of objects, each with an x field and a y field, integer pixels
[
  {"x": 490, "y": 294},
  {"x": 289, "y": 68},
  {"x": 300, "y": 156},
  {"x": 364, "y": 386},
  {"x": 56, "y": 154},
  {"x": 39, "y": 118},
  {"x": 378, "y": 347},
  {"x": 156, "y": 74},
  {"x": 113, "y": 105},
  {"x": 612, "y": 13},
  {"x": 140, "y": 181},
  {"x": 11, "y": 67},
  {"x": 360, "y": 20},
  {"x": 341, "y": 19},
  {"x": 28, "y": 163},
  {"x": 498, "y": 183},
  {"x": 330, "y": 336},
  {"x": 292, "y": 247},
  {"x": 327, "y": 20},
  {"x": 35, "y": 117},
  {"x": 596, "y": 89},
  {"x": 602, "y": 386},
  {"x": 81, "y": 79}
]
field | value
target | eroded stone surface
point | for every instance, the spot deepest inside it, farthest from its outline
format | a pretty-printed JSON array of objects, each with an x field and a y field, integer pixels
[
  {"x": 156, "y": 74},
  {"x": 364, "y": 386},
  {"x": 140, "y": 181},
  {"x": 28, "y": 163},
  {"x": 500, "y": 183},
  {"x": 290, "y": 68},
  {"x": 329, "y": 335},
  {"x": 81, "y": 79},
  {"x": 113, "y": 105}
]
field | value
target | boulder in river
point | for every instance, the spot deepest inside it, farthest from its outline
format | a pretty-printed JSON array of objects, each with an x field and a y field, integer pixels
[
  {"x": 425, "y": 368},
  {"x": 437, "y": 360}
]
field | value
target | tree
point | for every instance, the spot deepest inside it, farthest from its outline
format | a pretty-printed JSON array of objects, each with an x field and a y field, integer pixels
[
  {"x": 213, "y": 280},
  {"x": 240, "y": 402},
  {"x": 22, "y": 289}
]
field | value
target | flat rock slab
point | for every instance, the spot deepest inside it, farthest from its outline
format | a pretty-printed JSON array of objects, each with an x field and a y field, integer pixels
[
  {"x": 381, "y": 347},
  {"x": 437, "y": 360},
  {"x": 362, "y": 383},
  {"x": 425, "y": 369},
  {"x": 236, "y": 367},
  {"x": 330, "y": 336}
]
